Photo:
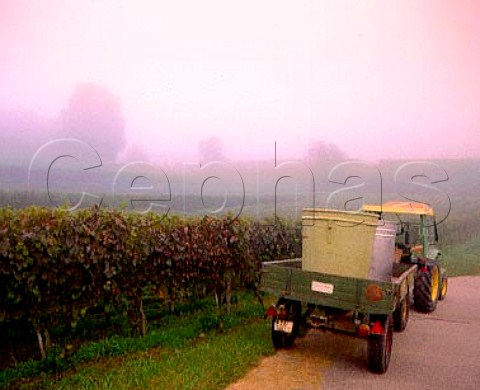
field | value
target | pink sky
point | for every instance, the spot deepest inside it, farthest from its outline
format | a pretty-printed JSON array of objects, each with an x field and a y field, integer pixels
[{"x": 380, "y": 79}]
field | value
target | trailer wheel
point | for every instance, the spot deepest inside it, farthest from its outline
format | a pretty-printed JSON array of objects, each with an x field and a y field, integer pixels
[
  {"x": 402, "y": 314},
  {"x": 294, "y": 313},
  {"x": 444, "y": 287},
  {"x": 426, "y": 289},
  {"x": 380, "y": 348}
]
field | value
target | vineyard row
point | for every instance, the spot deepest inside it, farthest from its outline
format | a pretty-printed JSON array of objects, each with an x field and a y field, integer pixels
[{"x": 57, "y": 266}]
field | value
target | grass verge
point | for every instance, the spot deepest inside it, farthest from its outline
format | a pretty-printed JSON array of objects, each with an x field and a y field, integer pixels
[
  {"x": 211, "y": 363},
  {"x": 462, "y": 259},
  {"x": 202, "y": 349}
]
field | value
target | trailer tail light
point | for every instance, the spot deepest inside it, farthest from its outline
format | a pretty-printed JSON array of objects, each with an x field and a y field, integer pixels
[
  {"x": 377, "y": 328},
  {"x": 282, "y": 312},
  {"x": 363, "y": 330},
  {"x": 271, "y": 312}
]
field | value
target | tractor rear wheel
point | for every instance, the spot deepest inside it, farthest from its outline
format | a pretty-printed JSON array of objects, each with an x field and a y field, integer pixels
[
  {"x": 427, "y": 288},
  {"x": 379, "y": 347},
  {"x": 444, "y": 287}
]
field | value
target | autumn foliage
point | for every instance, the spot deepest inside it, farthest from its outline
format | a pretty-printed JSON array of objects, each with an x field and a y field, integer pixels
[{"x": 56, "y": 266}]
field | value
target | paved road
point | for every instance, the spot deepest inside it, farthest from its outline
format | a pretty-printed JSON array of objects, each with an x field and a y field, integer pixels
[{"x": 437, "y": 351}]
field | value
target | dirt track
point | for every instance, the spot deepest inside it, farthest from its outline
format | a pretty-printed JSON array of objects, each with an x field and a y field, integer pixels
[{"x": 437, "y": 351}]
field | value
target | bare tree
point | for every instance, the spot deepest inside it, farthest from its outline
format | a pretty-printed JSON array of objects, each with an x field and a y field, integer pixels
[
  {"x": 211, "y": 149},
  {"x": 323, "y": 151},
  {"x": 94, "y": 115}
]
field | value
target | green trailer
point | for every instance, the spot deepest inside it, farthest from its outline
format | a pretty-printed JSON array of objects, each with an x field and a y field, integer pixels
[
  {"x": 350, "y": 279},
  {"x": 364, "y": 308}
]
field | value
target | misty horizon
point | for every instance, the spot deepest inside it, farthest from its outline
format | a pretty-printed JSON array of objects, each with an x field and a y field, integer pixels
[{"x": 369, "y": 82}]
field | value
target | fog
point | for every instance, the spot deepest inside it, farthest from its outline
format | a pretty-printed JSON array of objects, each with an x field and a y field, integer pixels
[{"x": 369, "y": 80}]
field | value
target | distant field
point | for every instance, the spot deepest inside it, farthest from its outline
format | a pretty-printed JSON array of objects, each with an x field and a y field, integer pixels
[{"x": 462, "y": 259}]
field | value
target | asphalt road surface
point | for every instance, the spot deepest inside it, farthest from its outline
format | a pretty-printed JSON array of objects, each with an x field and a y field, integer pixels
[{"x": 437, "y": 351}]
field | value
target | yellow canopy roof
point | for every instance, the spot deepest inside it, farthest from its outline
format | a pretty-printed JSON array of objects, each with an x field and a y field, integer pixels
[{"x": 397, "y": 207}]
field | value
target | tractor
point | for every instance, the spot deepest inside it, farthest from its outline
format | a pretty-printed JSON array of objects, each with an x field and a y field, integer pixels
[{"x": 416, "y": 243}]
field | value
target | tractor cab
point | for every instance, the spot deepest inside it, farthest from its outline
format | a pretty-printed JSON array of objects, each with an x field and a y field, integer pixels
[
  {"x": 417, "y": 234},
  {"x": 416, "y": 242}
]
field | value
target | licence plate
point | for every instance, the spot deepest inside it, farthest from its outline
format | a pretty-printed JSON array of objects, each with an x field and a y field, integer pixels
[
  {"x": 325, "y": 288},
  {"x": 283, "y": 326}
]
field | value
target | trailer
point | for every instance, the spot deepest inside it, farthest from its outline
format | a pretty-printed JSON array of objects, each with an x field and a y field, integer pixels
[{"x": 350, "y": 279}]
